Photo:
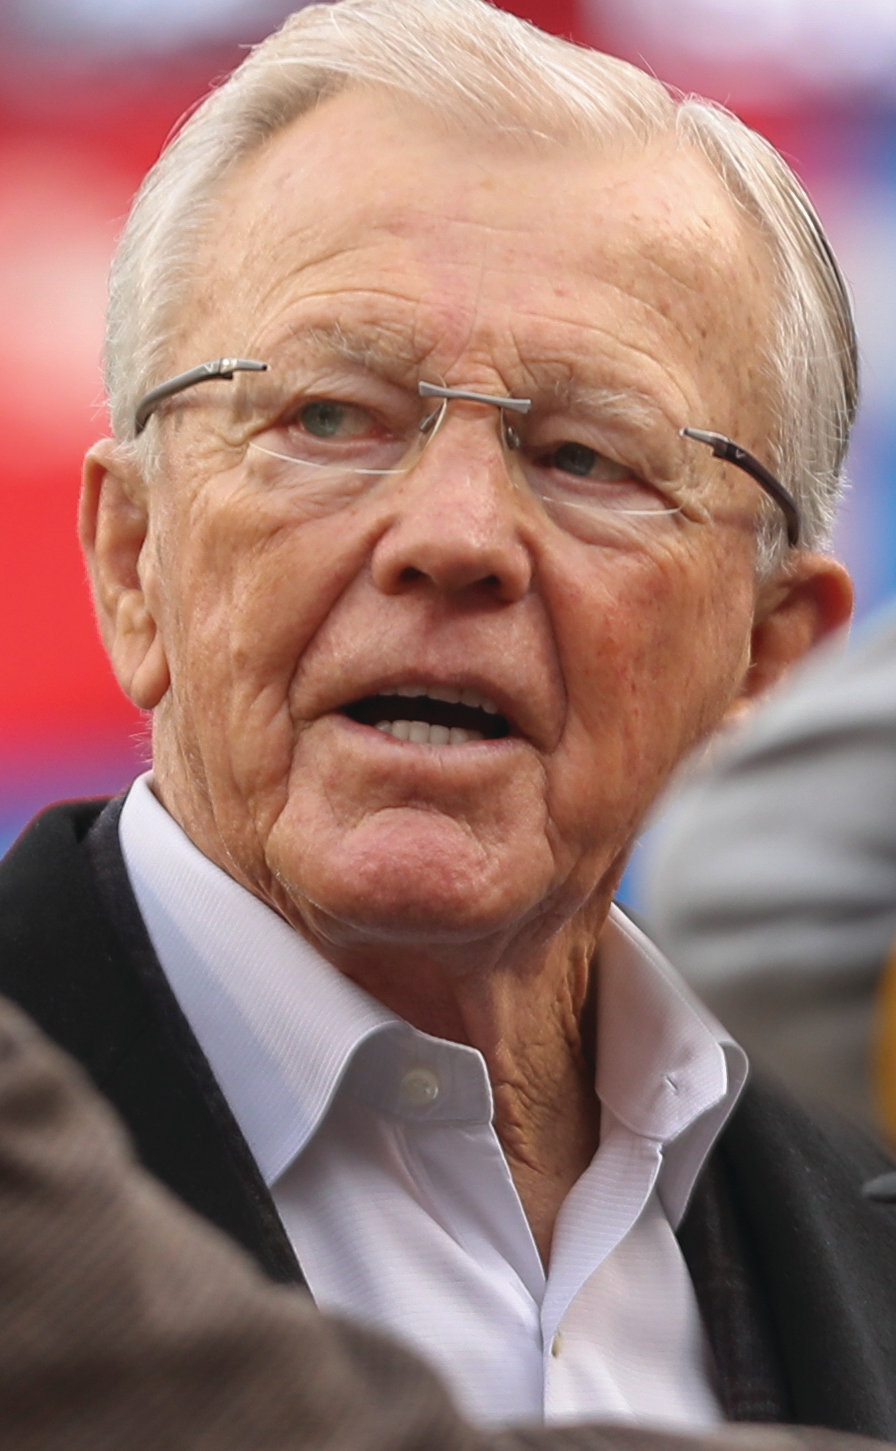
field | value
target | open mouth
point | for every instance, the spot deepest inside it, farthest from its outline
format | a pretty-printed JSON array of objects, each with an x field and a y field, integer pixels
[{"x": 436, "y": 717}]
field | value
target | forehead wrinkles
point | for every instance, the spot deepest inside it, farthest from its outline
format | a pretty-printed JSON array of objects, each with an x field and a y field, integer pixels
[
  {"x": 632, "y": 261},
  {"x": 663, "y": 286},
  {"x": 680, "y": 265}
]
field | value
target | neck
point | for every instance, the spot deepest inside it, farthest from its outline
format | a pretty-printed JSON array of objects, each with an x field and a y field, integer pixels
[
  {"x": 547, "y": 1114},
  {"x": 534, "y": 1024}
]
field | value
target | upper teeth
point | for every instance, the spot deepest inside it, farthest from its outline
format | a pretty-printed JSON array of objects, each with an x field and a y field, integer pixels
[
  {"x": 453, "y": 697},
  {"x": 421, "y": 732}
]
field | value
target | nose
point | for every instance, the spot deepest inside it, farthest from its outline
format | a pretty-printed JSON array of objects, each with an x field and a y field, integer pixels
[{"x": 457, "y": 521}]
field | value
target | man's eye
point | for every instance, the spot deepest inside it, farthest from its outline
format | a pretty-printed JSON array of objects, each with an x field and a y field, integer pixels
[
  {"x": 327, "y": 418},
  {"x": 583, "y": 462},
  {"x": 335, "y": 434}
]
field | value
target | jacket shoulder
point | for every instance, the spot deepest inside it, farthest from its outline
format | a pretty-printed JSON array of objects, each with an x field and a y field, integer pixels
[
  {"x": 75, "y": 954},
  {"x": 53, "y": 930},
  {"x": 825, "y": 1255}
]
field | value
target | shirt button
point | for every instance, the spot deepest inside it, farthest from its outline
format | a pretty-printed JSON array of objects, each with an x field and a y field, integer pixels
[
  {"x": 420, "y": 1086},
  {"x": 557, "y": 1345}
]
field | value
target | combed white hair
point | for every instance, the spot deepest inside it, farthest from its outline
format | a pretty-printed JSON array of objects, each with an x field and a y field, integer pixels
[{"x": 479, "y": 67}]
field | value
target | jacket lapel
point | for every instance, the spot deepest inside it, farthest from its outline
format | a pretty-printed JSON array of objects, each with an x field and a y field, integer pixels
[
  {"x": 795, "y": 1271},
  {"x": 87, "y": 972}
]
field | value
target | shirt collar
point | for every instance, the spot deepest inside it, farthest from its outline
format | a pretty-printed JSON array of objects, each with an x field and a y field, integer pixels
[
  {"x": 667, "y": 1069},
  {"x": 277, "y": 1024},
  {"x": 280, "y": 1026}
]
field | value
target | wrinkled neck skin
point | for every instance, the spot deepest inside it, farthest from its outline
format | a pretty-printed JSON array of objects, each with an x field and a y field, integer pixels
[{"x": 532, "y": 1016}]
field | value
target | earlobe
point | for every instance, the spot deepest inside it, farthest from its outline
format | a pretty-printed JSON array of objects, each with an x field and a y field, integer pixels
[
  {"x": 807, "y": 601},
  {"x": 114, "y": 525}
]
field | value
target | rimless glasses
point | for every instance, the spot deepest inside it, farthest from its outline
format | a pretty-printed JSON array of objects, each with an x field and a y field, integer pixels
[{"x": 328, "y": 440}]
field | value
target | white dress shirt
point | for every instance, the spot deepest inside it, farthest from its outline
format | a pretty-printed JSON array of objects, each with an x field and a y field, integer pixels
[{"x": 377, "y": 1143}]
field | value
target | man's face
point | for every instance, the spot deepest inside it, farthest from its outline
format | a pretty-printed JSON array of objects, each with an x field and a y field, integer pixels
[{"x": 509, "y": 269}]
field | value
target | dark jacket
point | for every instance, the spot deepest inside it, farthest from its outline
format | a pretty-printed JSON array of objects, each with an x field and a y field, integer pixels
[{"x": 795, "y": 1272}]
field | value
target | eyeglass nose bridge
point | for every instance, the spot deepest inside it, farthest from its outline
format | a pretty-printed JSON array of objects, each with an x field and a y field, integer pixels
[{"x": 431, "y": 423}]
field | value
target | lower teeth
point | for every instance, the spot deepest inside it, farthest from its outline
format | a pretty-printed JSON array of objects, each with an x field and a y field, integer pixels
[{"x": 423, "y": 734}]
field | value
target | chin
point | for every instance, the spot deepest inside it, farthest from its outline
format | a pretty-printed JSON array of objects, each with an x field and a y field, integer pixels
[
  {"x": 404, "y": 875},
  {"x": 391, "y": 907},
  {"x": 400, "y": 899}
]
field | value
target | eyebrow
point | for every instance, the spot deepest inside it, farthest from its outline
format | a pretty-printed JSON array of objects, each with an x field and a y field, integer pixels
[
  {"x": 550, "y": 382},
  {"x": 574, "y": 395},
  {"x": 361, "y": 348}
]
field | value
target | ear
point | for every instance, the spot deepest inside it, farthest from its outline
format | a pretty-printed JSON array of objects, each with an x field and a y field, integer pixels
[
  {"x": 114, "y": 528},
  {"x": 810, "y": 598}
]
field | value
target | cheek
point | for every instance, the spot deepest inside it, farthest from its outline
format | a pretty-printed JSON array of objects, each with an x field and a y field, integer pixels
[
  {"x": 246, "y": 592},
  {"x": 653, "y": 653}
]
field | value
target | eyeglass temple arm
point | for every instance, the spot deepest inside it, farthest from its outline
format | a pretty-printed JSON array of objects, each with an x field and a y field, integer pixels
[
  {"x": 219, "y": 368},
  {"x": 732, "y": 453}
]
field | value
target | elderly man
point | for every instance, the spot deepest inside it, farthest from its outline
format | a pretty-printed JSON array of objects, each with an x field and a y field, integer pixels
[{"x": 448, "y": 367}]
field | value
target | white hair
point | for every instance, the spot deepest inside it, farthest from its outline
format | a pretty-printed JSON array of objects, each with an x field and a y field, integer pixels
[{"x": 477, "y": 66}]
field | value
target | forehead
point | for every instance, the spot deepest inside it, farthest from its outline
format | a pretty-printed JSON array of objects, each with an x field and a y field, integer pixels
[{"x": 472, "y": 253}]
